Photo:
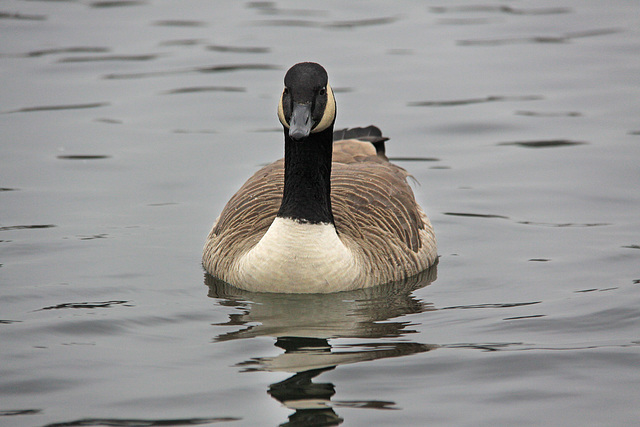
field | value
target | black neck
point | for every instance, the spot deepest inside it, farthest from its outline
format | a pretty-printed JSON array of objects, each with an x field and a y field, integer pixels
[{"x": 307, "y": 178}]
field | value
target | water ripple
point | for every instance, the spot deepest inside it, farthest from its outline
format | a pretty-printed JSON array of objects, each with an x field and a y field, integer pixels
[
  {"x": 89, "y": 328},
  {"x": 565, "y": 38},
  {"x": 365, "y": 404},
  {"x": 72, "y": 49},
  {"x": 632, "y": 247},
  {"x": 22, "y": 17},
  {"x": 271, "y": 8},
  {"x": 414, "y": 159},
  {"x": 549, "y": 114},
  {"x": 116, "y": 3},
  {"x": 91, "y": 305},
  {"x": 26, "y": 227},
  {"x": 209, "y": 69},
  {"x": 543, "y": 224},
  {"x": 14, "y": 412},
  {"x": 498, "y": 305},
  {"x": 565, "y": 224},
  {"x": 239, "y": 49},
  {"x": 83, "y": 156},
  {"x": 475, "y": 215},
  {"x": 329, "y": 25},
  {"x": 123, "y": 422},
  {"x": 58, "y": 107},
  {"x": 469, "y": 101},
  {"x": 550, "y": 143},
  {"x": 199, "y": 89},
  {"x": 180, "y": 23},
  {"x": 309, "y": 354},
  {"x": 143, "y": 57},
  {"x": 618, "y": 318},
  {"x": 500, "y": 9},
  {"x": 521, "y": 346}
]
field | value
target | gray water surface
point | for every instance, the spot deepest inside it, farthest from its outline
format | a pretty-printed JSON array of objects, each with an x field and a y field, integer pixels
[{"x": 127, "y": 125}]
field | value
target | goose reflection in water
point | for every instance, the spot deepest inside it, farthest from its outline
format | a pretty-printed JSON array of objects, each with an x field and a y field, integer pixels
[{"x": 303, "y": 325}]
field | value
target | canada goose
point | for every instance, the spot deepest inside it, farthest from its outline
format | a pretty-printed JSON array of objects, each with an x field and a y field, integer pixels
[{"x": 331, "y": 216}]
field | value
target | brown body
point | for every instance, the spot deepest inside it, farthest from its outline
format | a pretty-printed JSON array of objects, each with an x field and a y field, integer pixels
[{"x": 375, "y": 212}]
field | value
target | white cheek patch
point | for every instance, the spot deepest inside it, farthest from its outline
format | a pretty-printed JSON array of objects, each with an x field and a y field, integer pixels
[
  {"x": 327, "y": 118},
  {"x": 283, "y": 120},
  {"x": 329, "y": 112}
]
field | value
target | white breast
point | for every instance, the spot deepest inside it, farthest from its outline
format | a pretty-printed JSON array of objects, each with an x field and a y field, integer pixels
[{"x": 298, "y": 257}]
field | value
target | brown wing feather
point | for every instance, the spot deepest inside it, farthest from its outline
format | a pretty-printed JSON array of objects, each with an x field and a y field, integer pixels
[
  {"x": 375, "y": 194},
  {"x": 366, "y": 187},
  {"x": 245, "y": 218}
]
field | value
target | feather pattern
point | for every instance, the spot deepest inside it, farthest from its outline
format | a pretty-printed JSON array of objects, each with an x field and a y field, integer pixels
[{"x": 375, "y": 213}]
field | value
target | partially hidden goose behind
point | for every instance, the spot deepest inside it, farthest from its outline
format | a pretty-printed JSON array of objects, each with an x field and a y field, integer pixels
[{"x": 333, "y": 215}]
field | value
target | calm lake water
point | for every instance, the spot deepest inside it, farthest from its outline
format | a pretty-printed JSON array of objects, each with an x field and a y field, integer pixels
[{"x": 127, "y": 125}]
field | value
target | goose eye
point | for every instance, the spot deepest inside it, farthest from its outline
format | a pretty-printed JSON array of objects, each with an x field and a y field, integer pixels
[
  {"x": 286, "y": 91},
  {"x": 323, "y": 91}
]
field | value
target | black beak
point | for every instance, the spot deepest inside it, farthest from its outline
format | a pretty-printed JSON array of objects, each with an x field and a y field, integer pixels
[{"x": 300, "y": 124}]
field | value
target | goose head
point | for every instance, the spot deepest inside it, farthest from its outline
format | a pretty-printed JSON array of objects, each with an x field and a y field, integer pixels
[{"x": 307, "y": 104}]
